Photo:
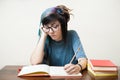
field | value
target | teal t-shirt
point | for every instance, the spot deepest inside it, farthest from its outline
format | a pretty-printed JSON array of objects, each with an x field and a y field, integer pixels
[{"x": 58, "y": 53}]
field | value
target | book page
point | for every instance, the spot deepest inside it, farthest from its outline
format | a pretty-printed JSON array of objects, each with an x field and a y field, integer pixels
[
  {"x": 59, "y": 71},
  {"x": 34, "y": 69}
]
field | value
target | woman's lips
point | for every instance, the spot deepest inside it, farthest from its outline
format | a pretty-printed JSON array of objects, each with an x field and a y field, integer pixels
[{"x": 52, "y": 35}]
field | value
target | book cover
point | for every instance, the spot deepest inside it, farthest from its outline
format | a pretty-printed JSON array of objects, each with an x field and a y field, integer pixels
[
  {"x": 102, "y": 73},
  {"x": 102, "y": 65},
  {"x": 45, "y": 70}
]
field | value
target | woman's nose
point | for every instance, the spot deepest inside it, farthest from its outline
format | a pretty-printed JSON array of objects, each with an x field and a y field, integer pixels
[{"x": 51, "y": 30}]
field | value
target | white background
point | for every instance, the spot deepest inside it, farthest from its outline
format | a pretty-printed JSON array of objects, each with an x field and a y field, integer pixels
[{"x": 96, "y": 21}]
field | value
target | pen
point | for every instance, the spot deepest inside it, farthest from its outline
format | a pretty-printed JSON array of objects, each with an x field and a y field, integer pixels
[{"x": 74, "y": 55}]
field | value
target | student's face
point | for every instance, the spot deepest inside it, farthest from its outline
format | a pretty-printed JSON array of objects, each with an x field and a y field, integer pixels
[{"x": 53, "y": 29}]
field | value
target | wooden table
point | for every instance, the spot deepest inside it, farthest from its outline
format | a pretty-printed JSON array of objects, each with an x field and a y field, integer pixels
[{"x": 10, "y": 72}]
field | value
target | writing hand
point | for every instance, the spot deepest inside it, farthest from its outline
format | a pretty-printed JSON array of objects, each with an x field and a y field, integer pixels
[{"x": 72, "y": 68}]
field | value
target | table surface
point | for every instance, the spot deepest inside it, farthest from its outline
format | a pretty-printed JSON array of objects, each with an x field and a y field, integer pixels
[{"x": 10, "y": 72}]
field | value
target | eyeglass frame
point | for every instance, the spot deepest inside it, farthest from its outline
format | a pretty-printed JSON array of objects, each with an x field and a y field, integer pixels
[{"x": 52, "y": 28}]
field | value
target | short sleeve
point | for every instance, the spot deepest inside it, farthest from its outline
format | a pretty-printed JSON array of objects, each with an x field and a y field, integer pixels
[{"x": 77, "y": 45}]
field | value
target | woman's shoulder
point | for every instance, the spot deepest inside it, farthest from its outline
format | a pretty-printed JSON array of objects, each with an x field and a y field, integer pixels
[
  {"x": 72, "y": 32},
  {"x": 73, "y": 35}
]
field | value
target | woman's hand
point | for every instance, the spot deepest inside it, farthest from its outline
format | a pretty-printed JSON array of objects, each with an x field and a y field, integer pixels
[
  {"x": 43, "y": 33},
  {"x": 72, "y": 68}
]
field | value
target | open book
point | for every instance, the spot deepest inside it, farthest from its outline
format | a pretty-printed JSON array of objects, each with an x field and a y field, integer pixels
[{"x": 45, "y": 70}]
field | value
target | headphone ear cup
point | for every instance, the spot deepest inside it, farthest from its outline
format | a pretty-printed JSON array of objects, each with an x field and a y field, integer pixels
[{"x": 39, "y": 32}]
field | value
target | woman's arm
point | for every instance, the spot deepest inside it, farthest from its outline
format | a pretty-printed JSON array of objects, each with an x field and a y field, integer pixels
[
  {"x": 38, "y": 52},
  {"x": 82, "y": 62}
]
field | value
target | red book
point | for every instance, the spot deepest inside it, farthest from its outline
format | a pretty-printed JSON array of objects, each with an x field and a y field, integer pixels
[{"x": 102, "y": 65}]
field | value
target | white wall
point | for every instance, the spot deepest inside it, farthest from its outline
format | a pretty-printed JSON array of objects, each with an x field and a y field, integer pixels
[{"x": 96, "y": 21}]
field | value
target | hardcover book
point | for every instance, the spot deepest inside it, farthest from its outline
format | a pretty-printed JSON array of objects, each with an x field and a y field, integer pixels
[
  {"x": 102, "y": 65},
  {"x": 102, "y": 73}
]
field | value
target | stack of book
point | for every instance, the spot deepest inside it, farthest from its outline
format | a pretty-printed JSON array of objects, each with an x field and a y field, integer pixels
[{"x": 102, "y": 67}]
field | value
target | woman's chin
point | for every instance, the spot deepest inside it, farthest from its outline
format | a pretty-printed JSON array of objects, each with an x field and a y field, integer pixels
[{"x": 54, "y": 39}]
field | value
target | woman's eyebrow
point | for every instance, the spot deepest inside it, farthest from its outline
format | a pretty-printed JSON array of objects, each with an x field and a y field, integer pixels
[{"x": 51, "y": 24}]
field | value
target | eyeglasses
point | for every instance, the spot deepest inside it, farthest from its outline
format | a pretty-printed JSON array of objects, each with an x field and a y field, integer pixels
[{"x": 53, "y": 28}]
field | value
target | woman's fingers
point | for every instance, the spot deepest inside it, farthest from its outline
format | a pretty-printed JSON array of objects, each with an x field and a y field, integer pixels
[{"x": 71, "y": 68}]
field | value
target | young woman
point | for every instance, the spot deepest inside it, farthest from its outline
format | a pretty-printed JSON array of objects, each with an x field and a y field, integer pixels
[{"x": 57, "y": 46}]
